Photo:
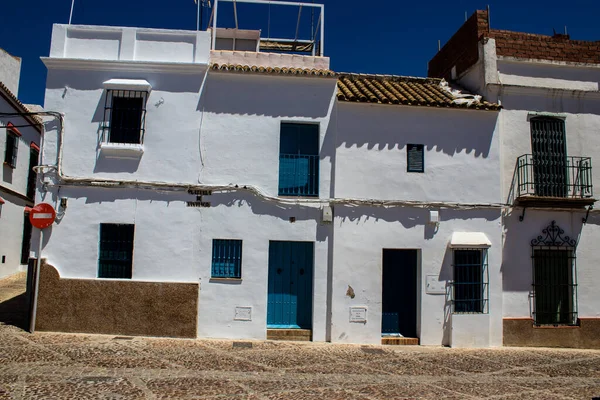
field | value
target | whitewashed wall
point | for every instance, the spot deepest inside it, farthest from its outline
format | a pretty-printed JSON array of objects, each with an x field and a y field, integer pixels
[
  {"x": 461, "y": 153},
  {"x": 10, "y": 71},
  {"x": 11, "y": 218},
  {"x": 461, "y": 164}
]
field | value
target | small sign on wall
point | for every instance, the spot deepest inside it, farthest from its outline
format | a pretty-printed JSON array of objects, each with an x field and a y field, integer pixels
[
  {"x": 243, "y": 314},
  {"x": 434, "y": 286},
  {"x": 358, "y": 314}
]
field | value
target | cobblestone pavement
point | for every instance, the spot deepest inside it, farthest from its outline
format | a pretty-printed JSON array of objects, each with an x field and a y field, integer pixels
[{"x": 69, "y": 366}]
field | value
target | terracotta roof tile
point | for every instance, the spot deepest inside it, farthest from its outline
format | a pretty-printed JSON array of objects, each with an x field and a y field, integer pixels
[
  {"x": 404, "y": 90},
  {"x": 379, "y": 89},
  {"x": 37, "y": 121},
  {"x": 272, "y": 70}
]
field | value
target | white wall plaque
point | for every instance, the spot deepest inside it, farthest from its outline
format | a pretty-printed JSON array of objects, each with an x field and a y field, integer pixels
[
  {"x": 434, "y": 286},
  {"x": 358, "y": 314},
  {"x": 243, "y": 314}
]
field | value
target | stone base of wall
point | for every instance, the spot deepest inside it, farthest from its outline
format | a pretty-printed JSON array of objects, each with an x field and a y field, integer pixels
[
  {"x": 520, "y": 332},
  {"x": 119, "y": 307}
]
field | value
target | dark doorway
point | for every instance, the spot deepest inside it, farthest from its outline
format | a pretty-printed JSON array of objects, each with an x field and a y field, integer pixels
[{"x": 399, "y": 293}]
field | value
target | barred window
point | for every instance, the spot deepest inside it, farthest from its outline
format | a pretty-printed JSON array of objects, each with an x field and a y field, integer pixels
[
  {"x": 125, "y": 116},
  {"x": 115, "y": 257},
  {"x": 12, "y": 148},
  {"x": 470, "y": 286},
  {"x": 226, "y": 258}
]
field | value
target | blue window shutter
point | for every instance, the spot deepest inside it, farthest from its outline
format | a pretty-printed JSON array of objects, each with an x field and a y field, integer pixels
[
  {"x": 299, "y": 160},
  {"x": 226, "y": 258}
]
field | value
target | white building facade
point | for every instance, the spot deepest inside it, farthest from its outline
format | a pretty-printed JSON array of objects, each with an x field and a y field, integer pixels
[
  {"x": 19, "y": 148},
  {"x": 548, "y": 87},
  {"x": 199, "y": 196}
]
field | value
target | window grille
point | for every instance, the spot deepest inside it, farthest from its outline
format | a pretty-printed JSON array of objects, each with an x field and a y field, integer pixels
[
  {"x": 116, "y": 251},
  {"x": 554, "y": 278},
  {"x": 12, "y": 149},
  {"x": 227, "y": 258},
  {"x": 124, "y": 116},
  {"x": 471, "y": 281},
  {"x": 415, "y": 158},
  {"x": 32, "y": 176},
  {"x": 299, "y": 160}
]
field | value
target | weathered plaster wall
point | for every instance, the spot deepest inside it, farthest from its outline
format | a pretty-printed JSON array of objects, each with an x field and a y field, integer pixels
[{"x": 119, "y": 307}]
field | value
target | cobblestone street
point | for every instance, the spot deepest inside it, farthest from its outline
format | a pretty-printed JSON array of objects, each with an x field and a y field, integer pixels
[{"x": 68, "y": 366}]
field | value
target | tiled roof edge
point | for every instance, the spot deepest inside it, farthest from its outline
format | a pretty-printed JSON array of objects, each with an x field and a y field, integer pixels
[
  {"x": 37, "y": 120},
  {"x": 272, "y": 70}
]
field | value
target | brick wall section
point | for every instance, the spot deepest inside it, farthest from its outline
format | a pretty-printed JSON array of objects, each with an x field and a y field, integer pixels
[
  {"x": 541, "y": 47},
  {"x": 462, "y": 48}
]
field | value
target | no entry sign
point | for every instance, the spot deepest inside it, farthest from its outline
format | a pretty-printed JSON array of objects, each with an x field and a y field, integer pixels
[{"x": 42, "y": 215}]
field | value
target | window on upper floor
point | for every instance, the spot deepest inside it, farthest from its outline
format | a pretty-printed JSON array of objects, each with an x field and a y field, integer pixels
[
  {"x": 415, "y": 158},
  {"x": 470, "y": 285},
  {"x": 32, "y": 177},
  {"x": 226, "y": 259},
  {"x": 115, "y": 258},
  {"x": 12, "y": 147},
  {"x": 299, "y": 160},
  {"x": 124, "y": 116}
]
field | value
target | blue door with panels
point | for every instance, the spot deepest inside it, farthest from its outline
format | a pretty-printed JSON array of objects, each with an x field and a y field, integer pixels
[{"x": 290, "y": 285}]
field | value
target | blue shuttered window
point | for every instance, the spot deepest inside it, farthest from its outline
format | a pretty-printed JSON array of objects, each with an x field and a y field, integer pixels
[
  {"x": 116, "y": 251},
  {"x": 299, "y": 160},
  {"x": 227, "y": 259},
  {"x": 470, "y": 281}
]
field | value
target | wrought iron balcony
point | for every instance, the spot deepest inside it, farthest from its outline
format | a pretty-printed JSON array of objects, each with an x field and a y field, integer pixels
[{"x": 552, "y": 181}]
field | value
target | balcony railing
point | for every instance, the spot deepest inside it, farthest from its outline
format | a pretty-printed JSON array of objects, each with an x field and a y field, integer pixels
[
  {"x": 555, "y": 177},
  {"x": 298, "y": 175}
]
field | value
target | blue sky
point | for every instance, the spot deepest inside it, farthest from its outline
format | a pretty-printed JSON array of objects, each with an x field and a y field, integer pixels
[{"x": 376, "y": 36}]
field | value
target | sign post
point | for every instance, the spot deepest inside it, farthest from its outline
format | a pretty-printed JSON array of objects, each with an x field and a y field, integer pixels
[{"x": 41, "y": 216}]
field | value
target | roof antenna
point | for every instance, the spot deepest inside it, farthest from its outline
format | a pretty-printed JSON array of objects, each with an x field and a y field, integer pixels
[
  {"x": 565, "y": 29},
  {"x": 465, "y": 16},
  {"x": 489, "y": 18},
  {"x": 439, "y": 44}
]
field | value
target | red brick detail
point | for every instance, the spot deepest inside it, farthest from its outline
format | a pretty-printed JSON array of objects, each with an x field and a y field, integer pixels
[
  {"x": 462, "y": 50},
  {"x": 542, "y": 47},
  {"x": 13, "y": 129}
]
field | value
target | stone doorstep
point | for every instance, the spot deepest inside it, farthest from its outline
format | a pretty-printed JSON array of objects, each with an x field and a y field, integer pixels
[
  {"x": 301, "y": 335},
  {"x": 400, "y": 341}
]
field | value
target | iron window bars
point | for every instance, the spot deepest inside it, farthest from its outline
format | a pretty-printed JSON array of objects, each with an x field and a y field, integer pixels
[
  {"x": 32, "y": 175},
  {"x": 299, "y": 160},
  {"x": 554, "y": 277},
  {"x": 124, "y": 116},
  {"x": 226, "y": 259},
  {"x": 12, "y": 149},
  {"x": 116, "y": 251},
  {"x": 470, "y": 286}
]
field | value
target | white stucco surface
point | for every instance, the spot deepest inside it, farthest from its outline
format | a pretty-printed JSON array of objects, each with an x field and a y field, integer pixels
[
  {"x": 13, "y": 180},
  {"x": 10, "y": 71}
]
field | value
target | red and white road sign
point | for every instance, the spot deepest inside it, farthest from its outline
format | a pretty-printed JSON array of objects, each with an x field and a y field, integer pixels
[{"x": 42, "y": 215}]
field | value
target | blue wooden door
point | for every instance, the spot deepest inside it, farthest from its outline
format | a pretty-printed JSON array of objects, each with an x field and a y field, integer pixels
[{"x": 290, "y": 285}]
